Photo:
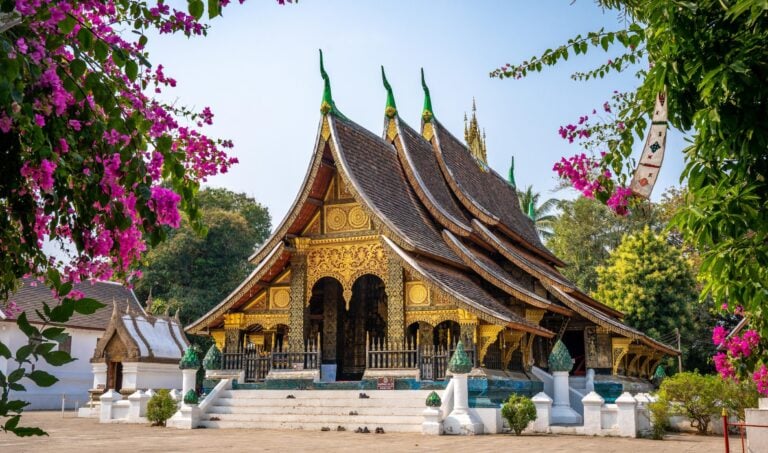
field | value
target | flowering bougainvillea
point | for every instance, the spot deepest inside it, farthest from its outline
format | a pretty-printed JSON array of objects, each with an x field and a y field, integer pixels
[{"x": 91, "y": 162}]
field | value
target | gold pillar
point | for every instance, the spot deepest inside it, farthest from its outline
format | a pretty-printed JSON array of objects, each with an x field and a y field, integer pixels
[
  {"x": 395, "y": 302},
  {"x": 297, "y": 309}
]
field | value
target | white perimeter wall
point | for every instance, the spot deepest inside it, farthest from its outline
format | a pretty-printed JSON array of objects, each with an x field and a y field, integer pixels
[{"x": 75, "y": 378}]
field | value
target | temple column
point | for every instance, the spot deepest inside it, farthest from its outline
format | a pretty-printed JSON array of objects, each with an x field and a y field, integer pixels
[
  {"x": 233, "y": 332},
  {"x": 395, "y": 302},
  {"x": 297, "y": 310},
  {"x": 330, "y": 320}
]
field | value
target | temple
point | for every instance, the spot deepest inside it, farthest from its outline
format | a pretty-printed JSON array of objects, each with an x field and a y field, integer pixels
[{"x": 398, "y": 245}]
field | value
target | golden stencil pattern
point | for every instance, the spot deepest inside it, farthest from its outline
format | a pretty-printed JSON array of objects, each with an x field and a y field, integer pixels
[{"x": 346, "y": 262}]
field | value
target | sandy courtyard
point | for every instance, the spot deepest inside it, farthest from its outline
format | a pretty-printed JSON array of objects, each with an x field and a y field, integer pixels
[{"x": 71, "y": 434}]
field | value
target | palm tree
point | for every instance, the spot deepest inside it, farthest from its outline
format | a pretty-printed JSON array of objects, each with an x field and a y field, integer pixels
[{"x": 541, "y": 214}]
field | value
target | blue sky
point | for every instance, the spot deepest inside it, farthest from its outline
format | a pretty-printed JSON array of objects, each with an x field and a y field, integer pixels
[{"x": 258, "y": 71}]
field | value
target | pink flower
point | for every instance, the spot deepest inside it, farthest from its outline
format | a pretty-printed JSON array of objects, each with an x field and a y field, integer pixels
[
  {"x": 39, "y": 120},
  {"x": 724, "y": 366},
  {"x": 760, "y": 376},
  {"x": 719, "y": 335},
  {"x": 164, "y": 203}
]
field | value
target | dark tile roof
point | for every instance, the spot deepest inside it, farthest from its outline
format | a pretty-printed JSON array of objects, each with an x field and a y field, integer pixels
[
  {"x": 422, "y": 157},
  {"x": 32, "y": 294},
  {"x": 376, "y": 173},
  {"x": 486, "y": 188}
]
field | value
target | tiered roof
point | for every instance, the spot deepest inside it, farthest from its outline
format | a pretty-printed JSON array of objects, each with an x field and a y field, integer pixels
[{"x": 448, "y": 217}]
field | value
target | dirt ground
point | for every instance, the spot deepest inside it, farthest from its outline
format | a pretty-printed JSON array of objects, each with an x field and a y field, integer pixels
[{"x": 71, "y": 434}]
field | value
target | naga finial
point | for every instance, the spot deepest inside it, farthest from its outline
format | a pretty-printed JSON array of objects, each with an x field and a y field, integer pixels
[
  {"x": 427, "y": 114},
  {"x": 391, "y": 109}
]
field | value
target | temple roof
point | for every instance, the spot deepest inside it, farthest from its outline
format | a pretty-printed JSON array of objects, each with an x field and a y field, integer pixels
[
  {"x": 145, "y": 337},
  {"x": 449, "y": 218},
  {"x": 485, "y": 193}
]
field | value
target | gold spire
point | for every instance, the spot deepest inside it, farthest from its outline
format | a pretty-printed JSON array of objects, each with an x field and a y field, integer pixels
[{"x": 474, "y": 138}]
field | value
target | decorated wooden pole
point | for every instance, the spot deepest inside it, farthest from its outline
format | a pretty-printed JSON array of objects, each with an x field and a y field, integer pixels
[{"x": 648, "y": 167}]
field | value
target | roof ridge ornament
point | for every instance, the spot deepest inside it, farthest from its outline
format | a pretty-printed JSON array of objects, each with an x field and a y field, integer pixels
[
  {"x": 391, "y": 109},
  {"x": 512, "y": 173},
  {"x": 427, "y": 114},
  {"x": 531, "y": 210},
  {"x": 327, "y": 105}
]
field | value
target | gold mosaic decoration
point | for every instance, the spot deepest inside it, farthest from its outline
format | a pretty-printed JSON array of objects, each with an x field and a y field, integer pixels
[
  {"x": 416, "y": 293},
  {"x": 345, "y": 217},
  {"x": 279, "y": 298},
  {"x": 620, "y": 348},
  {"x": 431, "y": 317},
  {"x": 346, "y": 261}
]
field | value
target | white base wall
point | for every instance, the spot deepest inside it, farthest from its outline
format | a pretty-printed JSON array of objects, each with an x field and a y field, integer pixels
[
  {"x": 144, "y": 375},
  {"x": 75, "y": 378}
]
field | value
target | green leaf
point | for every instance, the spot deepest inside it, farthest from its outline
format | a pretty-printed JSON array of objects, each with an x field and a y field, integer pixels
[
  {"x": 17, "y": 387},
  {"x": 12, "y": 423},
  {"x": 26, "y": 327},
  {"x": 53, "y": 333},
  {"x": 4, "y": 351},
  {"x": 87, "y": 306},
  {"x": 16, "y": 405},
  {"x": 101, "y": 50},
  {"x": 58, "y": 358},
  {"x": 214, "y": 8},
  {"x": 67, "y": 25},
  {"x": 62, "y": 312},
  {"x": 85, "y": 38},
  {"x": 42, "y": 379},
  {"x": 23, "y": 352},
  {"x": 196, "y": 8},
  {"x": 131, "y": 69},
  {"x": 16, "y": 375}
]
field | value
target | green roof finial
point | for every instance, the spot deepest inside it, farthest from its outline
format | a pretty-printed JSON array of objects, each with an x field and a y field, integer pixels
[
  {"x": 427, "y": 114},
  {"x": 531, "y": 210},
  {"x": 327, "y": 106},
  {"x": 391, "y": 109},
  {"x": 560, "y": 359},
  {"x": 512, "y": 173},
  {"x": 459, "y": 363}
]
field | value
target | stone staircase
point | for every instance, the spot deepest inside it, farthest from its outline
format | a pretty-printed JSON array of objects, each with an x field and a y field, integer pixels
[{"x": 393, "y": 410}]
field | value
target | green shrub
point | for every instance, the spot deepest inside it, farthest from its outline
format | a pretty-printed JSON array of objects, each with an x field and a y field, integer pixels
[
  {"x": 659, "y": 411},
  {"x": 518, "y": 411},
  {"x": 160, "y": 408},
  {"x": 702, "y": 398}
]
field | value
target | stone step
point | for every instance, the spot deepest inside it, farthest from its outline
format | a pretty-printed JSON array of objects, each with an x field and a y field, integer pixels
[
  {"x": 315, "y": 410},
  {"x": 322, "y": 402},
  {"x": 335, "y": 419},
  {"x": 326, "y": 394},
  {"x": 311, "y": 426}
]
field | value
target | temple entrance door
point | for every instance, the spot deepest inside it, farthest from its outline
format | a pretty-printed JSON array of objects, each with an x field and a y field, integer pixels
[
  {"x": 115, "y": 376},
  {"x": 367, "y": 316},
  {"x": 325, "y": 307},
  {"x": 574, "y": 341}
]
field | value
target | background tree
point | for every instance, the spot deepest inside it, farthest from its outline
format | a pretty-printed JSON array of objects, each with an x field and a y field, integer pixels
[
  {"x": 193, "y": 272},
  {"x": 709, "y": 58},
  {"x": 648, "y": 280},
  {"x": 543, "y": 214},
  {"x": 584, "y": 234}
]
